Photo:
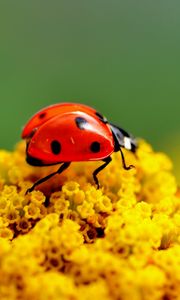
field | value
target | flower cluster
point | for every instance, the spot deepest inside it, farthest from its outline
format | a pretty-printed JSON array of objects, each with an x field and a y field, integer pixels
[{"x": 67, "y": 240}]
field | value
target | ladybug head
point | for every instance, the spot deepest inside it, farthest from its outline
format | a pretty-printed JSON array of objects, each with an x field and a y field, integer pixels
[{"x": 123, "y": 139}]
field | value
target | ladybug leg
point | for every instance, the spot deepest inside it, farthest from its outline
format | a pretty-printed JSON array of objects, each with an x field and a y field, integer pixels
[
  {"x": 63, "y": 167},
  {"x": 107, "y": 161},
  {"x": 123, "y": 161}
]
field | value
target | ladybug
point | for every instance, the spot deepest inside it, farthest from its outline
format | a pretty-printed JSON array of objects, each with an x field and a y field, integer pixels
[{"x": 68, "y": 132}]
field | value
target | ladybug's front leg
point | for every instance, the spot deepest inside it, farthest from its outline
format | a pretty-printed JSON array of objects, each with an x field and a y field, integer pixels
[
  {"x": 123, "y": 161},
  {"x": 107, "y": 161}
]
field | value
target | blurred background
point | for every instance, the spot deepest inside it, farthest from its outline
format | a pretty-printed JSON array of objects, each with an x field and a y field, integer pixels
[{"x": 122, "y": 57}]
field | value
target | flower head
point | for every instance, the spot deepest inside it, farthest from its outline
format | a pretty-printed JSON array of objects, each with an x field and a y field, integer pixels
[{"x": 67, "y": 240}]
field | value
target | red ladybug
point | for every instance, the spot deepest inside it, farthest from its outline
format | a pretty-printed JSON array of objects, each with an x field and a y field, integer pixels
[{"x": 67, "y": 132}]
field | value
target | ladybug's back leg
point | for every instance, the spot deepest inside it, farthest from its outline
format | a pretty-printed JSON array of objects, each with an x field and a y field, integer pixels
[{"x": 63, "y": 167}]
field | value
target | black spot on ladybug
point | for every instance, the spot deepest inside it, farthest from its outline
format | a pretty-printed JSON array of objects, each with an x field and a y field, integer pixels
[
  {"x": 95, "y": 147},
  {"x": 101, "y": 117},
  {"x": 42, "y": 115},
  {"x": 55, "y": 147},
  {"x": 81, "y": 123}
]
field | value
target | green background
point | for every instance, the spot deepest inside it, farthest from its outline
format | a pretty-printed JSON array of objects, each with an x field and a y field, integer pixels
[{"x": 122, "y": 57}]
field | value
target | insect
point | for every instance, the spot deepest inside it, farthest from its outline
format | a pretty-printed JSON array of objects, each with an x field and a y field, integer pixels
[{"x": 69, "y": 132}]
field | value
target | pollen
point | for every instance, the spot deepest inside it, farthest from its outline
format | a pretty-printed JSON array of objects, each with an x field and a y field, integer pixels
[{"x": 69, "y": 240}]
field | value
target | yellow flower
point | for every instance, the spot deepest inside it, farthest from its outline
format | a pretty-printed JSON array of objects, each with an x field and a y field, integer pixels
[
  {"x": 85, "y": 209},
  {"x": 6, "y": 233},
  {"x": 23, "y": 225},
  {"x": 37, "y": 197},
  {"x": 61, "y": 205},
  {"x": 50, "y": 285},
  {"x": 12, "y": 215},
  {"x": 103, "y": 204},
  {"x": 4, "y": 204},
  {"x": 151, "y": 282},
  {"x": 32, "y": 211},
  {"x": 68, "y": 240},
  {"x": 70, "y": 188}
]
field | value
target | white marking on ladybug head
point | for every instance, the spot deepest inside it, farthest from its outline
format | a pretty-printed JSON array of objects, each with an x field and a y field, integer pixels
[{"x": 127, "y": 143}]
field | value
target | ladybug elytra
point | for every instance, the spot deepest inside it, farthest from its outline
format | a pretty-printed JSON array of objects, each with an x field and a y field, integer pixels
[{"x": 69, "y": 132}]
